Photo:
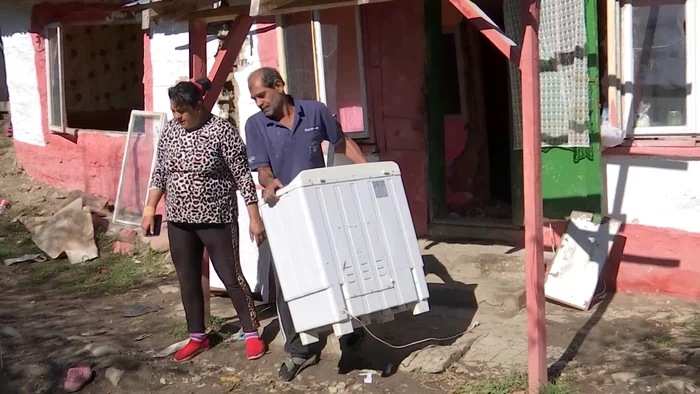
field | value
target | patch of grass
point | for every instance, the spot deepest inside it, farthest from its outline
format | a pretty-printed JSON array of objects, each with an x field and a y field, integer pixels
[
  {"x": 514, "y": 383},
  {"x": 15, "y": 240},
  {"x": 506, "y": 385},
  {"x": 103, "y": 241},
  {"x": 692, "y": 327},
  {"x": 660, "y": 342},
  {"x": 180, "y": 331},
  {"x": 216, "y": 323},
  {"x": 563, "y": 386},
  {"x": 109, "y": 273}
]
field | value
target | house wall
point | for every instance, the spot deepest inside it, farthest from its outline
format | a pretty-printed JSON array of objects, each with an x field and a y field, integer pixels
[
  {"x": 395, "y": 70},
  {"x": 91, "y": 161},
  {"x": 657, "y": 196},
  {"x": 654, "y": 192},
  {"x": 20, "y": 68}
]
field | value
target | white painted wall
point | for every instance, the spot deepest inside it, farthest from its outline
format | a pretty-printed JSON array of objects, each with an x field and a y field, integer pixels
[
  {"x": 169, "y": 59},
  {"x": 654, "y": 191},
  {"x": 249, "y": 61},
  {"x": 22, "y": 83}
]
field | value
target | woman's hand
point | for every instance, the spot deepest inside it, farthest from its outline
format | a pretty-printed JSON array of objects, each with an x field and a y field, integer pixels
[
  {"x": 257, "y": 230},
  {"x": 148, "y": 224}
]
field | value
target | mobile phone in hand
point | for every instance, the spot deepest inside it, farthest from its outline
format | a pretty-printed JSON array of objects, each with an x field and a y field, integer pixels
[{"x": 157, "y": 223}]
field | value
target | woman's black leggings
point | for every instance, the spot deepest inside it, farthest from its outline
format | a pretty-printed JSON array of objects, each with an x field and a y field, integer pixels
[{"x": 187, "y": 243}]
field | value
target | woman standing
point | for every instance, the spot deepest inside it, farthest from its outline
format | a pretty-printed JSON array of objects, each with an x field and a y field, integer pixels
[{"x": 200, "y": 162}]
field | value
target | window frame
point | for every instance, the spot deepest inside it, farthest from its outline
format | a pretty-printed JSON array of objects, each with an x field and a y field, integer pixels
[
  {"x": 317, "y": 37},
  {"x": 628, "y": 113},
  {"x": 61, "y": 79},
  {"x": 162, "y": 120},
  {"x": 64, "y": 128}
]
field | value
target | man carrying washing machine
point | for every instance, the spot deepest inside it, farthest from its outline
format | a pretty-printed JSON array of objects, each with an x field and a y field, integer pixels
[{"x": 282, "y": 140}]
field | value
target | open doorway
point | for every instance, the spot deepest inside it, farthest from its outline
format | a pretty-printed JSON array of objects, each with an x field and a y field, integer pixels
[{"x": 478, "y": 130}]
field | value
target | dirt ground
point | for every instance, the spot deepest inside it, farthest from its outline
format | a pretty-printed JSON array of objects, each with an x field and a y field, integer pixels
[{"x": 51, "y": 311}]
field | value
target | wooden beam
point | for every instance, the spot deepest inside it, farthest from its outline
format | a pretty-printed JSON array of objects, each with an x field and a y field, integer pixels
[
  {"x": 226, "y": 58},
  {"x": 228, "y": 13},
  {"x": 262, "y": 7},
  {"x": 198, "y": 49},
  {"x": 216, "y": 15},
  {"x": 532, "y": 179},
  {"x": 198, "y": 69},
  {"x": 488, "y": 28}
]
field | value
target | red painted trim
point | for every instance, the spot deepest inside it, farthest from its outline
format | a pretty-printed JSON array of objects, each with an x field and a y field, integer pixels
[
  {"x": 492, "y": 32},
  {"x": 198, "y": 49},
  {"x": 147, "y": 72},
  {"x": 226, "y": 58},
  {"x": 678, "y": 152}
]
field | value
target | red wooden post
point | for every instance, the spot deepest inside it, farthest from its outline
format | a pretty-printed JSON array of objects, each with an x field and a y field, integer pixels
[
  {"x": 226, "y": 57},
  {"x": 532, "y": 176},
  {"x": 223, "y": 65},
  {"x": 198, "y": 49},
  {"x": 528, "y": 59},
  {"x": 198, "y": 69}
]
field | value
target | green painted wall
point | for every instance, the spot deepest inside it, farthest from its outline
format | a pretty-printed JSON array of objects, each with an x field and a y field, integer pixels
[{"x": 571, "y": 177}]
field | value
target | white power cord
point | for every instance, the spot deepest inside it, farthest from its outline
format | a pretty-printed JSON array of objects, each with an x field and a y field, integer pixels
[{"x": 472, "y": 326}]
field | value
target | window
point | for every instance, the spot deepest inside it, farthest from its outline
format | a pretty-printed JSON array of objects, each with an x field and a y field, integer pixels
[
  {"x": 94, "y": 76},
  {"x": 659, "y": 67},
  {"x": 325, "y": 62}
]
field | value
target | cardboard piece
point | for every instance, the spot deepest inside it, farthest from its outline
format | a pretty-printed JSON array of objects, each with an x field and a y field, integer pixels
[
  {"x": 71, "y": 231},
  {"x": 574, "y": 273},
  {"x": 97, "y": 205}
]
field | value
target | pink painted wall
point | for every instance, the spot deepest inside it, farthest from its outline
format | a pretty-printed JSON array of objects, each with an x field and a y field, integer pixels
[
  {"x": 267, "y": 40},
  {"x": 91, "y": 162},
  {"x": 648, "y": 259},
  {"x": 341, "y": 60},
  {"x": 395, "y": 70}
]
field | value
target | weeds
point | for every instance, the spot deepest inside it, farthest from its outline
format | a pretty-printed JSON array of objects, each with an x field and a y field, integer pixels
[
  {"x": 180, "y": 331},
  {"x": 660, "y": 342},
  {"x": 15, "y": 240},
  {"x": 514, "y": 383},
  {"x": 692, "y": 327},
  {"x": 107, "y": 274}
]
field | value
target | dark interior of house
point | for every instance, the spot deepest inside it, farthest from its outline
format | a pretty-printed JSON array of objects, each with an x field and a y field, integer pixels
[{"x": 103, "y": 75}]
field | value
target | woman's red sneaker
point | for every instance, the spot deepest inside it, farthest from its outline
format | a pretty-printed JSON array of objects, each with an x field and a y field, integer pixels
[
  {"x": 254, "y": 348},
  {"x": 192, "y": 349}
]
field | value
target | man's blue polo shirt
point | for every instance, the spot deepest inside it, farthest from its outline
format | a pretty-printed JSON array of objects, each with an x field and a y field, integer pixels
[{"x": 288, "y": 152}]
